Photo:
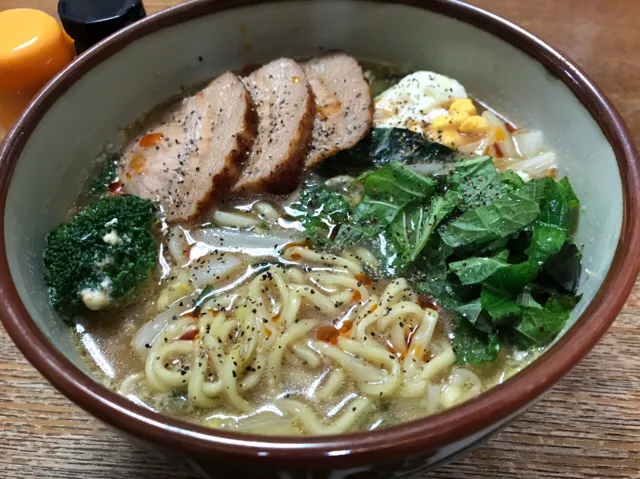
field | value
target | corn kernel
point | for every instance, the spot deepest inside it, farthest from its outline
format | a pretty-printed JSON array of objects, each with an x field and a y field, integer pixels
[
  {"x": 441, "y": 122},
  {"x": 458, "y": 117},
  {"x": 451, "y": 138},
  {"x": 463, "y": 105},
  {"x": 475, "y": 125}
]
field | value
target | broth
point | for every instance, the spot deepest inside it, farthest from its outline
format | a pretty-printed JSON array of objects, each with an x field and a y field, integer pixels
[
  {"x": 298, "y": 379},
  {"x": 248, "y": 326}
]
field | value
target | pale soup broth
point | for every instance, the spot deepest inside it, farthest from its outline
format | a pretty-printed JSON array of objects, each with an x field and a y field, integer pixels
[{"x": 320, "y": 311}]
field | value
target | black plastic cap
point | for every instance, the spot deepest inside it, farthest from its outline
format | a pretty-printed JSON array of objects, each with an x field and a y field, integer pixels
[{"x": 89, "y": 21}]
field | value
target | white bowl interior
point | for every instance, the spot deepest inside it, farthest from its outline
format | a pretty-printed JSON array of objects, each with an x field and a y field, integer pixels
[{"x": 59, "y": 153}]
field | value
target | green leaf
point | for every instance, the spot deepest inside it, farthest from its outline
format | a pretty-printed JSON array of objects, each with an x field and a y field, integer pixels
[
  {"x": 565, "y": 267},
  {"x": 471, "y": 311},
  {"x": 541, "y": 325},
  {"x": 430, "y": 269},
  {"x": 369, "y": 218},
  {"x": 566, "y": 190},
  {"x": 513, "y": 278},
  {"x": 511, "y": 179},
  {"x": 478, "y": 182},
  {"x": 534, "y": 190},
  {"x": 504, "y": 216},
  {"x": 383, "y": 146},
  {"x": 107, "y": 175},
  {"x": 550, "y": 230},
  {"x": 205, "y": 295},
  {"x": 474, "y": 346},
  {"x": 476, "y": 270},
  {"x": 495, "y": 273},
  {"x": 486, "y": 248},
  {"x": 412, "y": 228},
  {"x": 318, "y": 210},
  {"x": 476, "y": 315},
  {"x": 526, "y": 299},
  {"x": 498, "y": 305},
  {"x": 387, "y": 191},
  {"x": 398, "y": 185},
  {"x": 501, "y": 280},
  {"x": 325, "y": 203},
  {"x": 405, "y": 146},
  {"x": 502, "y": 255}
]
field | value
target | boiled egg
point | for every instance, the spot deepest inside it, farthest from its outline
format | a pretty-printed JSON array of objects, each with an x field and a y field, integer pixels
[{"x": 416, "y": 101}]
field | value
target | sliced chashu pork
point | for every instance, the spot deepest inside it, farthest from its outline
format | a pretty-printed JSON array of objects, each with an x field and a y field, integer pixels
[
  {"x": 195, "y": 151},
  {"x": 285, "y": 108},
  {"x": 344, "y": 108}
]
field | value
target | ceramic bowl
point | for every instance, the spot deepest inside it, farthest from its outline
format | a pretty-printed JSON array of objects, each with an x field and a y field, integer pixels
[{"x": 47, "y": 154}]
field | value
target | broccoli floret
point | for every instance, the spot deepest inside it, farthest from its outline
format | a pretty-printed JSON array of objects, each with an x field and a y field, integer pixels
[
  {"x": 101, "y": 257},
  {"x": 107, "y": 175}
]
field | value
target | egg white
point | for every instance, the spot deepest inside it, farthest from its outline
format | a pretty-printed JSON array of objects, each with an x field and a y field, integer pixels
[{"x": 416, "y": 101}]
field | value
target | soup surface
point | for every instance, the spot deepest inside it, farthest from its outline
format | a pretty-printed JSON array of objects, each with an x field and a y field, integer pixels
[{"x": 317, "y": 248}]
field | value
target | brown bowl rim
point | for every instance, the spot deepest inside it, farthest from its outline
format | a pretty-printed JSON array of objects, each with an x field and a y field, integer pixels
[{"x": 489, "y": 409}]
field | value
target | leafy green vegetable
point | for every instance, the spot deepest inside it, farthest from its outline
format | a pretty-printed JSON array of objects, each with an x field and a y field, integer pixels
[
  {"x": 513, "y": 278},
  {"x": 565, "y": 267},
  {"x": 540, "y": 325},
  {"x": 526, "y": 299},
  {"x": 398, "y": 144},
  {"x": 325, "y": 204},
  {"x": 502, "y": 255},
  {"x": 398, "y": 184},
  {"x": 566, "y": 190},
  {"x": 476, "y": 270},
  {"x": 478, "y": 182},
  {"x": 501, "y": 281},
  {"x": 108, "y": 174},
  {"x": 430, "y": 269},
  {"x": 370, "y": 217},
  {"x": 504, "y": 216},
  {"x": 502, "y": 248},
  {"x": 205, "y": 295},
  {"x": 511, "y": 179},
  {"x": 485, "y": 249},
  {"x": 384, "y": 146},
  {"x": 107, "y": 248},
  {"x": 319, "y": 210},
  {"x": 476, "y": 315},
  {"x": 471, "y": 311},
  {"x": 412, "y": 228},
  {"x": 498, "y": 305},
  {"x": 551, "y": 228},
  {"x": 534, "y": 190},
  {"x": 472, "y": 345},
  {"x": 387, "y": 191},
  {"x": 539, "y": 233}
]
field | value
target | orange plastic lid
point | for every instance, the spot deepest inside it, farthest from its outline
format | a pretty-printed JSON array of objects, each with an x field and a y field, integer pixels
[{"x": 33, "y": 48}]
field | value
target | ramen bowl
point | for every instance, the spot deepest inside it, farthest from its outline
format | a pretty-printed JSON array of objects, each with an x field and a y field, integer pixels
[{"x": 48, "y": 153}]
